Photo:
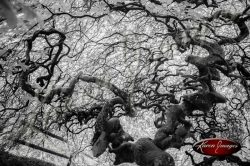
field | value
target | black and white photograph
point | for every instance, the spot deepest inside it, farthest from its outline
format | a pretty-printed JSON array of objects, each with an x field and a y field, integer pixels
[{"x": 124, "y": 82}]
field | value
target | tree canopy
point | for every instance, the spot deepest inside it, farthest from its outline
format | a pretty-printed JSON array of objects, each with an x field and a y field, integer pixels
[{"x": 90, "y": 73}]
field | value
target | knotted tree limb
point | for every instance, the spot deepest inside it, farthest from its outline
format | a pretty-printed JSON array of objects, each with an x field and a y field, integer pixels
[
  {"x": 108, "y": 131},
  {"x": 169, "y": 134},
  {"x": 143, "y": 152},
  {"x": 47, "y": 98},
  {"x": 121, "y": 98},
  {"x": 206, "y": 97},
  {"x": 48, "y": 64},
  {"x": 118, "y": 92},
  {"x": 239, "y": 19},
  {"x": 102, "y": 118},
  {"x": 101, "y": 126},
  {"x": 63, "y": 92},
  {"x": 174, "y": 131},
  {"x": 213, "y": 48},
  {"x": 216, "y": 56}
]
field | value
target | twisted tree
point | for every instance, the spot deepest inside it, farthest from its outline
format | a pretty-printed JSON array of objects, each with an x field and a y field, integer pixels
[{"x": 79, "y": 68}]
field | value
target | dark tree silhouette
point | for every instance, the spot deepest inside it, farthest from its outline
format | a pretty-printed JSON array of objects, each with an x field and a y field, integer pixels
[{"x": 94, "y": 62}]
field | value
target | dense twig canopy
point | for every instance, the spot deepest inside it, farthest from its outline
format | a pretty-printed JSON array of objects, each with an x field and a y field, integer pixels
[{"x": 68, "y": 67}]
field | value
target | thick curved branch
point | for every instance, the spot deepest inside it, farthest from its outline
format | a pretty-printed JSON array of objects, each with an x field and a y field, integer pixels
[
  {"x": 239, "y": 20},
  {"x": 102, "y": 83},
  {"x": 143, "y": 152}
]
